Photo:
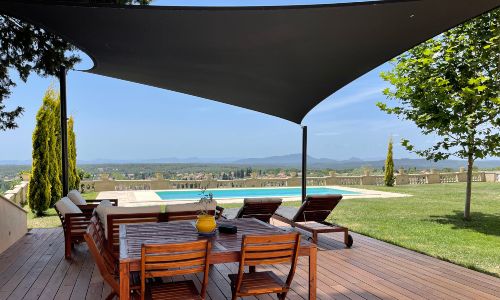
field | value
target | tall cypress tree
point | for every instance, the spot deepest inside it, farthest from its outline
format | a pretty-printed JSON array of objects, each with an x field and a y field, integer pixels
[
  {"x": 39, "y": 190},
  {"x": 73, "y": 178},
  {"x": 389, "y": 167},
  {"x": 54, "y": 146}
]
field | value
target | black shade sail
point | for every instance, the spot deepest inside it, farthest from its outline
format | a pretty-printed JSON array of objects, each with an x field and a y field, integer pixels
[{"x": 280, "y": 61}]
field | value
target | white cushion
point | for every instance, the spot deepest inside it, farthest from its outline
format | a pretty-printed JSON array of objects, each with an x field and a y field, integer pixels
[
  {"x": 76, "y": 197},
  {"x": 103, "y": 211},
  {"x": 105, "y": 203},
  {"x": 65, "y": 206},
  {"x": 189, "y": 207}
]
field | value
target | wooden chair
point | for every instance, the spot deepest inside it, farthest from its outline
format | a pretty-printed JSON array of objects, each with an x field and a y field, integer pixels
[
  {"x": 311, "y": 216},
  {"x": 94, "y": 236},
  {"x": 161, "y": 260},
  {"x": 75, "y": 224},
  {"x": 113, "y": 227},
  {"x": 259, "y": 208},
  {"x": 265, "y": 250}
]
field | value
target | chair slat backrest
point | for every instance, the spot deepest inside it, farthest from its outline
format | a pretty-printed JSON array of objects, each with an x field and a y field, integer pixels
[
  {"x": 115, "y": 220},
  {"x": 260, "y": 210},
  {"x": 160, "y": 260},
  {"x": 269, "y": 249},
  {"x": 94, "y": 236},
  {"x": 317, "y": 208},
  {"x": 186, "y": 215}
]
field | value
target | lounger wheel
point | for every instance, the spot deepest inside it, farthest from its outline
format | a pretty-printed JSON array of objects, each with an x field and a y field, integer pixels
[{"x": 350, "y": 241}]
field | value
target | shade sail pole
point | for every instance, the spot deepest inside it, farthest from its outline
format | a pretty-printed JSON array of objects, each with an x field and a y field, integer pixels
[
  {"x": 304, "y": 162},
  {"x": 64, "y": 130}
]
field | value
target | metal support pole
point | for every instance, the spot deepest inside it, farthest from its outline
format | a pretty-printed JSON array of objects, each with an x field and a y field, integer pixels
[
  {"x": 64, "y": 131},
  {"x": 304, "y": 162}
]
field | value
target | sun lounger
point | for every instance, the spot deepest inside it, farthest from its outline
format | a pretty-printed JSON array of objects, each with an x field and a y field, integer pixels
[
  {"x": 311, "y": 216},
  {"x": 259, "y": 208}
]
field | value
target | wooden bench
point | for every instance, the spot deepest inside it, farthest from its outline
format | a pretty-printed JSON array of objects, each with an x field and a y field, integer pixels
[{"x": 75, "y": 224}]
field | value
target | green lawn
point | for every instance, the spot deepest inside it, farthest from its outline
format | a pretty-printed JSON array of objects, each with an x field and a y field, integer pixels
[
  {"x": 431, "y": 222},
  {"x": 50, "y": 219}
]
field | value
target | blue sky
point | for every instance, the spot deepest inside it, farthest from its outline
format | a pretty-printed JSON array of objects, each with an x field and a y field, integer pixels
[{"x": 121, "y": 120}]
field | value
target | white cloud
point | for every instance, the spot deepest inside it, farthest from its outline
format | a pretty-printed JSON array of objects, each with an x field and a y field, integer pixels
[{"x": 336, "y": 103}]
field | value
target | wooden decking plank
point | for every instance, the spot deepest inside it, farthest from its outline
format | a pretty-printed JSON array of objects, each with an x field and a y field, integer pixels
[
  {"x": 427, "y": 278},
  {"x": 352, "y": 280},
  {"x": 50, "y": 290},
  {"x": 83, "y": 280},
  {"x": 452, "y": 270},
  {"x": 12, "y": 253},
  {"x": 53, "y": 285},
  {"x": 96, "y": 285},
  {"x": 7, "y": 273},
  {"x": 34, "y": 263},
  {"x": 79, "y": 258},
  {"x": 106, "y": 290},
  {"x": 384, "y": 263},
  {"x": 40, "y": 283},
  {"x": 425, "y": 273},
  {"x": 34, "y": 274},
  {"x": 384, "y": 283}
]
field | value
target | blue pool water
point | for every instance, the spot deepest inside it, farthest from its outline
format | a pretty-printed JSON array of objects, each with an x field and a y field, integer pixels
[{"x": 250, "y": 193}]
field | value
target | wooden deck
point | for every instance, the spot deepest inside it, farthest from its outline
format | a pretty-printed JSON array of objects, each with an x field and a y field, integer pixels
[{"x": 35, "y": 268}]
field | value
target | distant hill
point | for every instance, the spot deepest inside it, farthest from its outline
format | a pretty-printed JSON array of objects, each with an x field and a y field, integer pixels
[
  {"x": 290, "y": 160},
  {"x": 294, "y": 160}
]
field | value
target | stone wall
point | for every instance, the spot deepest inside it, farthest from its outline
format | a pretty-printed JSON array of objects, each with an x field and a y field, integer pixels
[
  {"x": 106, "y": 184},
  {"x": 19, "y": 194}
]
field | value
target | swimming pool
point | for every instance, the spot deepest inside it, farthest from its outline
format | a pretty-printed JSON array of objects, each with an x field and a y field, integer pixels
[{"x": 250, "y": 193}]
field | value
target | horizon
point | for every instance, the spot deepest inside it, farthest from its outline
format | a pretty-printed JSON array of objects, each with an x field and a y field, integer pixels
[
  {"x": 238, "y": 160},
  {"x": 109, "y": 123}
]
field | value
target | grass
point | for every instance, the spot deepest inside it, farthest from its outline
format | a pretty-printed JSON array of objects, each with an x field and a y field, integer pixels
[
  {"x": 431, "y": 222},
  {"x": 50, "y": 219}
]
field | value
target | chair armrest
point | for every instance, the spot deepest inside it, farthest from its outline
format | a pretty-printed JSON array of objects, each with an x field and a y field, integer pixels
[
  {"x": 114, "y": 202},
  {"x": 76, "y": 221}
]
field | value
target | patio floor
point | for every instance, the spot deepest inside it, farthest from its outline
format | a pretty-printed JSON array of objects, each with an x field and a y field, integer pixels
[{"x": 35, "y": 268}]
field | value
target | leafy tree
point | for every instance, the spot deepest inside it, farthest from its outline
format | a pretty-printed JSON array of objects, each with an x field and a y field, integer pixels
[
  {"x": 449, "y": 87},
  {"x": 389, "y": 167},
  {"x": 73, "y": 178},
  {"x": 39, "y": 190},
  {"x": 82, "y": 174},
  {"x": 28, "y": 49}
]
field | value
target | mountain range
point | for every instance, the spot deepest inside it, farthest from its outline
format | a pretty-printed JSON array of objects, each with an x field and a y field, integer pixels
[{"x": 290, "y": 160}]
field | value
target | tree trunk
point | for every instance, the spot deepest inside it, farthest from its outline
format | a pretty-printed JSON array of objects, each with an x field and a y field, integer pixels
[{"x": 468, "y": 192}]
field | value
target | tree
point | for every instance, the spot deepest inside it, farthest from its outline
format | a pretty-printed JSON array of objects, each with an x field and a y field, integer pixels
[
  {"x": 29, "y": 49},
  {"x": 39, "y": 190},
  {"x": 73, "y": 178},
  {"x": 52, "y": 105},
  {"x": 389, "y": 167},
  {"x": 449, "y": 87}
]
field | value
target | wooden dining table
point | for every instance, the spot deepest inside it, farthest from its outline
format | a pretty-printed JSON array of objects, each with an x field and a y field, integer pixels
[{"x": 225, "y": 247}]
